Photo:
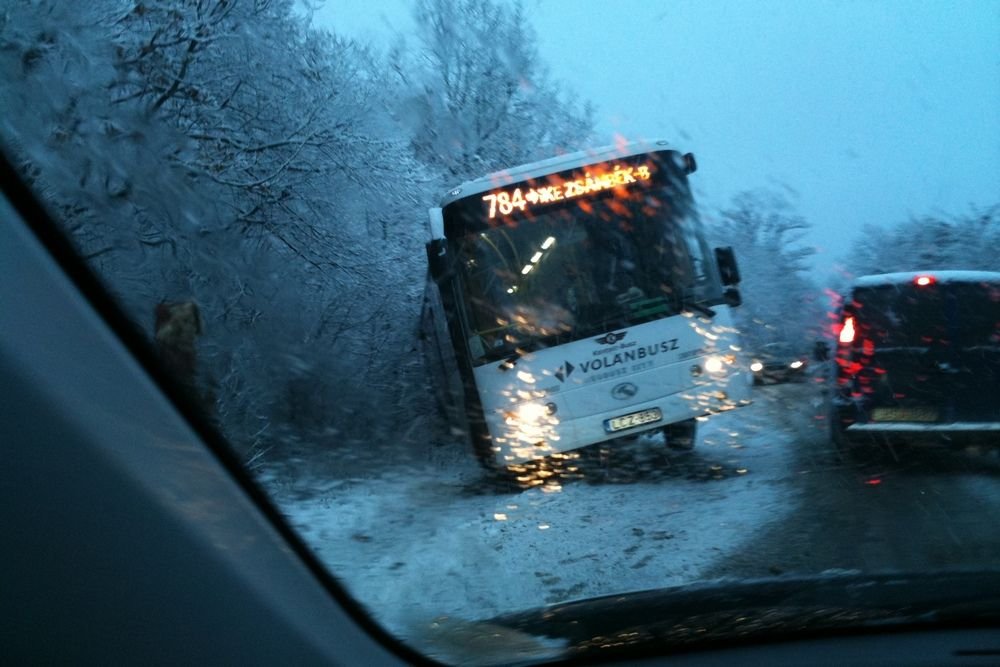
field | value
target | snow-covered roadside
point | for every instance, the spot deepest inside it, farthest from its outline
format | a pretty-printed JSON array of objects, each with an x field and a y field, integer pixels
[{"x": 419, "y": 543}]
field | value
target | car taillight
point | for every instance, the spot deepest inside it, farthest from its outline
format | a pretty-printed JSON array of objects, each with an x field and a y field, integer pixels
[
  {"x": 847, "y": 331},
  {"x": 924, "y": 280}
]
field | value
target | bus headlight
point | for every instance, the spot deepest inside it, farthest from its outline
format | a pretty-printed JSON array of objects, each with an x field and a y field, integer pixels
[
  {"x": 528, "y": 413},
  {"x": 532, "y": 422}
]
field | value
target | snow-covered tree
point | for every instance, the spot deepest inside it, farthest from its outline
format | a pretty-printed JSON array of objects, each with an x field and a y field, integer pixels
[
  {"x": 221, "y": 151},
  {"x": 479, "y": 98},
  {"x": 224, "y": 152},
  {"x": 780, "y": 302},
  {"x": 929, "y": 242}
]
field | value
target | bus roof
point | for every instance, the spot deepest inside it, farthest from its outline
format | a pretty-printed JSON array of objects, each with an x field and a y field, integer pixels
[
  {"x": 551, "y": 165},
  {"x": 939, "y": 276}
]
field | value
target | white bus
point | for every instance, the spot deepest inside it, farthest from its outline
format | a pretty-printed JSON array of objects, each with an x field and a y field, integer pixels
[{"x": 575, "y": 301}]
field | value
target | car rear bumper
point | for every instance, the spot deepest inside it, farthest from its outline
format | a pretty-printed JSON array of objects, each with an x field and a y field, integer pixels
[
  {"x": 920, "y": 427},
  {"x": 856, "y": 426}
]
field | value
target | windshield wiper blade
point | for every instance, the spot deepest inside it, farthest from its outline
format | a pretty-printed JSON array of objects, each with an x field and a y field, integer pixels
[
  {"x": 691, "y": 304},
  {"x": 659, "y": 621},
  {"x": 510, "y": 361}
]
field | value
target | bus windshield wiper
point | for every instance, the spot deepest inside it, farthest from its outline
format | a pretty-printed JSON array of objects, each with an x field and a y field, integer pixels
[
  {"x": 690, "y": 304},
  {"x": 510, "y": 360}
]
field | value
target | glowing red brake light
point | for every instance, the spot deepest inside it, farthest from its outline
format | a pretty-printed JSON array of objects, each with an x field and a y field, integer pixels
[
  {"x": 847, "y": 332},
  {"x": 923, "y": 281}
]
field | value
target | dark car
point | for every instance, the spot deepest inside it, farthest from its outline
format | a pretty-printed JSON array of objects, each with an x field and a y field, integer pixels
[
  {"x": 779, "y": 362},
  {"x": 918, "y": 359}
]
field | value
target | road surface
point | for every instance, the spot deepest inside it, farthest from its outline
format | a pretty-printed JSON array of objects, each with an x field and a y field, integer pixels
[{"x": 423, "y": 538}]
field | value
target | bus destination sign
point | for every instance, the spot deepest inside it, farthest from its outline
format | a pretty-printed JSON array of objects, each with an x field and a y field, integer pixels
[{"x": 505, "y": 202}]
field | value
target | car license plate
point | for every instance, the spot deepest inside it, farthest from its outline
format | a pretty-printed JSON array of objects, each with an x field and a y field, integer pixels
[
  {"x": 632, "y": 420},
  {"x": 904, "y": 415}
]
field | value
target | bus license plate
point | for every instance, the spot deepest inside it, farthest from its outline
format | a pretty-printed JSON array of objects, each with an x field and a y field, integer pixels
[
  {"x": 904, "y": 414},
  {"x": 632, "y": 420}
]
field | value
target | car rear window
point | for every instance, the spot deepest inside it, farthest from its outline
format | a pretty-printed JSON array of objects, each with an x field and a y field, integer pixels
[{"x": 909, "y": 315}]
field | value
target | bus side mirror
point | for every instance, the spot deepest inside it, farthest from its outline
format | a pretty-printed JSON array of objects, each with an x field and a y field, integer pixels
[
  {"x": 438, "y": 261},
  {"x": 728, "y": 271},
  {"x": 821, "y": 350},
  {"x": 690, "y": 164},
  {"x": 732, "y": 297}
]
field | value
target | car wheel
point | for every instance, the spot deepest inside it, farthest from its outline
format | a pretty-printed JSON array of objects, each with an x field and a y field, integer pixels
[
  {"x": 840, "y": 441},
  {"x": 681, "y": 435},
  {"x": 854, "y": 449}
]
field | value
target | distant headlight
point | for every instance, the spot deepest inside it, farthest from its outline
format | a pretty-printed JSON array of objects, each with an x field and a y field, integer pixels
[
  {"x": 756, "y": 367},
  {"x": 796, "y": 364}
]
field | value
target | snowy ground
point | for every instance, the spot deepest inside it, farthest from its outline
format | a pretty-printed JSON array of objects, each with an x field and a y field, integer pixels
[
  {"x": 428, "y": 546},
  {"x": 421, "y": 542}
]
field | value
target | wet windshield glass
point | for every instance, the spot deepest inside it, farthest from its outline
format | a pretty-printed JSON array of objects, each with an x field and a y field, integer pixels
[
  {"x": 953, "y": 314},
  {"x": 321, "y": 217}
]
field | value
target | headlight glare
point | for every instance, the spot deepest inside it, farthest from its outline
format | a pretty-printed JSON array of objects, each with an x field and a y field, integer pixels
[
  {"x": 714, "y": 364},
  {"x": 531, "y": 413}
]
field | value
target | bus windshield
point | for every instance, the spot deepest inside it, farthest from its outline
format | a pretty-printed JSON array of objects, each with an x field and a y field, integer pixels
[{"x": 583, "y": 267}]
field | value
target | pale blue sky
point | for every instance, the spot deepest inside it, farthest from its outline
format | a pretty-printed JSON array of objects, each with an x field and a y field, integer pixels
[{"x": 863, "y": 112}]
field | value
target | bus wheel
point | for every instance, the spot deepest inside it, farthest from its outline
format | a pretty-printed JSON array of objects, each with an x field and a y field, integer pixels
[
  {"x": 681, "y": 435},
  {"x": 500, "y": 476},
  {"x": 513, "y": 478}
]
